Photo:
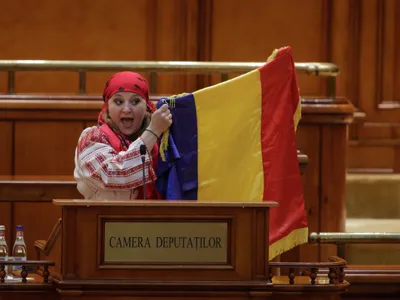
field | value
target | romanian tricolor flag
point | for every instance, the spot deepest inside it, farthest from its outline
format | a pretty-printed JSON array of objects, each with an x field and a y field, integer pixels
[{"x": 236, "y": 141}]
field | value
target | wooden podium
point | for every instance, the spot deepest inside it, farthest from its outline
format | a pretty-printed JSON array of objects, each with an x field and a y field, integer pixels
[{"x": 160, "y": 249}]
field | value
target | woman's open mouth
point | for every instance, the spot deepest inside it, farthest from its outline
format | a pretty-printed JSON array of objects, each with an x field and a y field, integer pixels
[{"x": 127, "y": 122}]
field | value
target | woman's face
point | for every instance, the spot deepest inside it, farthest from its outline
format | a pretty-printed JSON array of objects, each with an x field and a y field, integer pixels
[{"x": 127, "y": 110}]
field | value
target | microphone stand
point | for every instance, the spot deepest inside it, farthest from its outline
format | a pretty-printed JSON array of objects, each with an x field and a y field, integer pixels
[
  {"x": 143, "y": 157},
  {"x": 144, "y": 178}
]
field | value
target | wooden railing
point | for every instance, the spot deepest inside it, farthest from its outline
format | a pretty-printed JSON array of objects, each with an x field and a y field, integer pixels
[
  {"x": 335, "y": 265},
  {"x": 24, "y": 269}
]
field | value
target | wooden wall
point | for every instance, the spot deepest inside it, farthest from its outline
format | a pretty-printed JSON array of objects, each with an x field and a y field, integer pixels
[
  {"x": 360, "y": 36},
  {"x": 374, "y": 84},
  {"x": 222, "y": 30}
]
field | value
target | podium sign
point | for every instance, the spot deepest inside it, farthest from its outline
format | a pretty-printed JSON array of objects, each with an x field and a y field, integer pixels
[{"x": 165, "y": 242}]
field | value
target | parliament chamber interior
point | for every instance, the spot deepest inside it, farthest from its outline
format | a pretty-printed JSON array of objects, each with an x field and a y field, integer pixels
[{"x": 311, "y": 89}]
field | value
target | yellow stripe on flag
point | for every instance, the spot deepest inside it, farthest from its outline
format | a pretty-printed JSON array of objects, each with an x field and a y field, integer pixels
[
  {"x": 297, "y": 115},
  {"x": 229, "y": 133}
]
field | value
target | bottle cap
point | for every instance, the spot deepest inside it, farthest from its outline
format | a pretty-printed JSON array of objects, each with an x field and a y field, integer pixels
[{"x": 20, "y": 227}]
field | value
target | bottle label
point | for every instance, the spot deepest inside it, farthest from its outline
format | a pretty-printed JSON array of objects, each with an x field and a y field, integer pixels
[{"x": 20, "y": 258}]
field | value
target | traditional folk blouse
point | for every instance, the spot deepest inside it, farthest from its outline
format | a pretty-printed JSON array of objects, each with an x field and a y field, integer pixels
[{"x": 103, "y": 173}]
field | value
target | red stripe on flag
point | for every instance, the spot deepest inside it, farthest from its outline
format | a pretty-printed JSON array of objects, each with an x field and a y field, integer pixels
[{"x": 282, "y": 181}]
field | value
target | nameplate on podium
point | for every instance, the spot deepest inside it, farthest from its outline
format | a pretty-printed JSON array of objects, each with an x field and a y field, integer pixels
[{"x": 169, "y": 242}]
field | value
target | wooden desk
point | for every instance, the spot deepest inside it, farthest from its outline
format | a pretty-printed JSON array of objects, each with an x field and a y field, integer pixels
[
  {"x": 322, "y": 135},
  {"x": 34, "y": 289},
  {"x": 373, "y": 282},
  {"x": 84, "y": 270},
  {"x": 366, "y": 283}
]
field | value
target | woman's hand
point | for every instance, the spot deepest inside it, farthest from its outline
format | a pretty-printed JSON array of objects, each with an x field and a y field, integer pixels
[{"x": 161, "y": 120}]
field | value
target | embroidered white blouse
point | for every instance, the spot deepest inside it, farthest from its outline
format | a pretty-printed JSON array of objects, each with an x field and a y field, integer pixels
[{"x": 104, "y": 174}]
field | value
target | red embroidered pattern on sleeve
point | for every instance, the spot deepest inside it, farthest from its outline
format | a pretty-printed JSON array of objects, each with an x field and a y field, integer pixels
[{"x": 93, "y": 136}]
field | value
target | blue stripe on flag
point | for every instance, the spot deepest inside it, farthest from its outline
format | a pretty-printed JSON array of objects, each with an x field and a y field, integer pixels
[{"x": 177, "y": 177}]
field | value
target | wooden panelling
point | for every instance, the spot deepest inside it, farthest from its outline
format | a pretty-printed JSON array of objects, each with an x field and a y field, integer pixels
[
  {"x": 396, "y": 163},
  {"x": 45, "y": 148},
  {"x": 3, "y": 81},
  {"x": 372, "y": 130},
  {"x": 120, "y": 30},
  {"x": 396, "y": 40},
  {"x": 6, "y": 148},
  {"x": 341, "y": 27},
  {"x": 251, "y": 32},
  {"x": 377, "y": 51},
  {"x": 74, "y": 30},
  {"x": 380, "y": 158},
  {"x": 37, "y": 188},
  {"x": 175, "y": 26},
  {"x": 158, "y": 30},
  {"x": 364, "y": 45},
  {"x": 27, "y": 200},
  {"x": 6, "y": 219},
  {"x": 388, "y": 57},
  {"x": 333, "y": 183},
  {"x": 37, "y": 226},
  {"x": 90, "y": 123}
]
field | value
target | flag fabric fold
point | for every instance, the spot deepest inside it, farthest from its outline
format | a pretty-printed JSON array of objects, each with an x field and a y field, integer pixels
[{"x": 236, "y": 141}]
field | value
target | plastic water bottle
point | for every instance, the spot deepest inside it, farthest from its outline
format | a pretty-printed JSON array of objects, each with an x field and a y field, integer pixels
[
  {"x": 4, "y": 247},
  {"x": 19, "y": 249},
  {"x": 3, "y": 243}
]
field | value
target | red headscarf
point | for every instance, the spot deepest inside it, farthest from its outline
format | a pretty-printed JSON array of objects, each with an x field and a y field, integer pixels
[{"x": 125, "y": 82}]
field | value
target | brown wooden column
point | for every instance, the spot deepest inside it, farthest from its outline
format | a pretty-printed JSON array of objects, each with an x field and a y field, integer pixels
[{"x": 322, "y": 136}]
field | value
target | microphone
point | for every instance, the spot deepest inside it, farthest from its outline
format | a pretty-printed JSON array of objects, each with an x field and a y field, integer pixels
[{"x": 142, "y": 151}]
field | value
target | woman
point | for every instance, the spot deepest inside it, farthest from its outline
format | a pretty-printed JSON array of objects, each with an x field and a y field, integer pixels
[{"x": 108, "y": 164}]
